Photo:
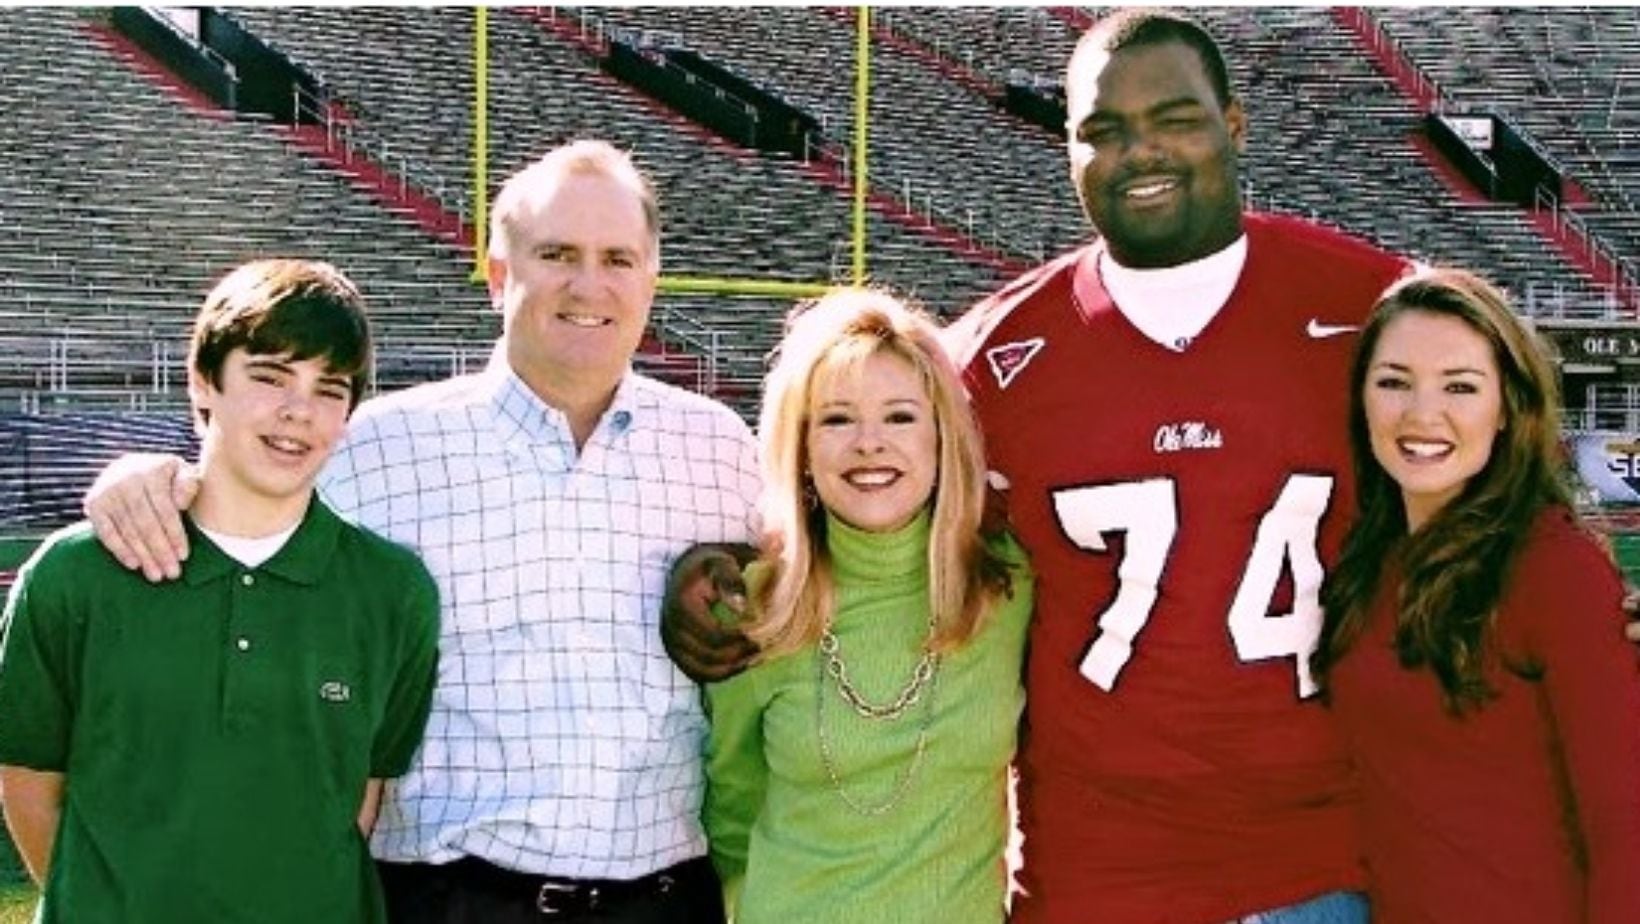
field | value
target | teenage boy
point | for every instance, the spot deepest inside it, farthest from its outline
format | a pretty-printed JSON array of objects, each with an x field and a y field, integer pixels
[{"x": 213, "y": 749}]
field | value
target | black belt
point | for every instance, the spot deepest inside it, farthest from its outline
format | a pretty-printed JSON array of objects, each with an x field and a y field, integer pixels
[{"x": 556, "y": 895}]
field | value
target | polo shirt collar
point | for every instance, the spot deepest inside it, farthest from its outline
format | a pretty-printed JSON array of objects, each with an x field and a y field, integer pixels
[
  {"x": 521, "y": 414},
  {"x": 302, "y": 560}
]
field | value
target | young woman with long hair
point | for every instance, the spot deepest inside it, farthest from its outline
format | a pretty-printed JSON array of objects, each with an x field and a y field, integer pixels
[{"x": 1473, "y": 645}]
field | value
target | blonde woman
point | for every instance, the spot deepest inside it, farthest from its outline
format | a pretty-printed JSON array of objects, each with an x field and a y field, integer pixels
[{"x": 857, "y": 772}]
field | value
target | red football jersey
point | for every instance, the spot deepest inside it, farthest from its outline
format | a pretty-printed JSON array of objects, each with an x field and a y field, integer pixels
[{"x": 1178, "y": 507}]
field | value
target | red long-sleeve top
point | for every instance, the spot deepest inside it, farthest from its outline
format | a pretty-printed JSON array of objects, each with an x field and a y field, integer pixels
[{"x": 1527, "y": 810}]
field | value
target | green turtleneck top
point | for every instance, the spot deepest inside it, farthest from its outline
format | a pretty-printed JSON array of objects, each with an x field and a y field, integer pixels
[{"x": 789, "y": 846}]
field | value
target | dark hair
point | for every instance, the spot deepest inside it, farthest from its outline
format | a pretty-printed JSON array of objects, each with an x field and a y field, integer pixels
[
  {"x": 1455, "y": 566},
  {"x": 297, "y": 308},
  {"x": 1138, "y": 26}
]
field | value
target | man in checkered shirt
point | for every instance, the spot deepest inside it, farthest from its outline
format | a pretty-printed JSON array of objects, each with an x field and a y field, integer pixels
[{"x": 548, "y": 494}]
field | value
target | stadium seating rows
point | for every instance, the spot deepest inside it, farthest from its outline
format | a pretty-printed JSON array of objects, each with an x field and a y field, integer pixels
[
  {"x": 121, "y": 201},
  {"x": 1571, "y": 76}
]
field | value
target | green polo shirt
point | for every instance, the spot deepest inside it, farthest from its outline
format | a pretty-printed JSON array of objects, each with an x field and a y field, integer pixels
[{"x": 217, "y": 732}]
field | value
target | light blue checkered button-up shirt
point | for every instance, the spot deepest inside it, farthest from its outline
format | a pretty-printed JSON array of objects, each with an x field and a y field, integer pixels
[{"x": 562, "y": 739}]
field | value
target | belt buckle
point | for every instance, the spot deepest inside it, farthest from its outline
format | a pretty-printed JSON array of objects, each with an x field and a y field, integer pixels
[{"x": 545, "y": 900}]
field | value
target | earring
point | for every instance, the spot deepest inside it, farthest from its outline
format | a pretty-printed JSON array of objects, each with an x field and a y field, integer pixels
[{"x": 811, "y": 498}]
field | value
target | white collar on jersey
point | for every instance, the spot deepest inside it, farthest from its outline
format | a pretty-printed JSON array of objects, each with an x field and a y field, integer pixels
[{"x": 1173, "y": 304}]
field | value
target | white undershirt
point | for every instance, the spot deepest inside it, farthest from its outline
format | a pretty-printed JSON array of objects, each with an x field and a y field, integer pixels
[
  {"x": 251, "y": 552},
  {"x": 1173, "y": 304}
]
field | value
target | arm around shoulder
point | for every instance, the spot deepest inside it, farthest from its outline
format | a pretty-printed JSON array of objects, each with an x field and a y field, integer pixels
[
  {"x": 136, "y": 508},
  {"x": 702, "y": 646}
]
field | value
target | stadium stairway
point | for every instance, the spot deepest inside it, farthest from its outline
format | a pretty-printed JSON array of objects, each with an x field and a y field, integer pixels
[
  {"x": 1569, "y": 75},
  {"x": 729, "y": 212},
  {"x": 829, "y": 165},
  {"x": 1584, "y": 250},
  {"x": 396, "y": 195}
]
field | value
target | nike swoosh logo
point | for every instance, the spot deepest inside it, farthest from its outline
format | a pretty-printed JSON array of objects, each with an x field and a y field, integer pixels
[{"x": 1320, "y": 331}]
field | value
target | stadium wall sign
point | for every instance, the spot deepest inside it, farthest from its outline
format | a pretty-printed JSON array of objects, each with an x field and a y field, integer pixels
[
  {"x": 1609, "y": 465},
  {"x": 1607, "y": 346}
]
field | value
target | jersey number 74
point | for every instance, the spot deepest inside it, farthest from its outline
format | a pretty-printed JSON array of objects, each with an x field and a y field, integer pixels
[{"x": 1147, "y": 513}]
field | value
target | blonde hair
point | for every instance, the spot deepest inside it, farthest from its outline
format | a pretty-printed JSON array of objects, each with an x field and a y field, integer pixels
[
  {"x": 831, "y": 337},
  {"x": 587, "y": 157}
]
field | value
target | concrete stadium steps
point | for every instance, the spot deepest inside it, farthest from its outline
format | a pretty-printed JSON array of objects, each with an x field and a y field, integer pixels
[
  {"x": 110, "y": 231},
  {"x": 1570, "y": 75},
  {"x": 122, "y": 206},
  {"x": 727, "y": 212}
]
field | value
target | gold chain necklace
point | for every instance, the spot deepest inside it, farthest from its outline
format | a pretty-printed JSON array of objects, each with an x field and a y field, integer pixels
[
  {"x": 829, "y": 661},
  {"x": 921, "y": 676}
]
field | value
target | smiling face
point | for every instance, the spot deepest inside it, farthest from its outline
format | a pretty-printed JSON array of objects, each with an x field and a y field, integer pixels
[
  {"x": 1434, "y": 406},
  {"x": 873, "y": 443},
  {"x": 575, "y": 285},
  {"x": 1153, "y": 153},
  {"x": 270, "y": 423}
]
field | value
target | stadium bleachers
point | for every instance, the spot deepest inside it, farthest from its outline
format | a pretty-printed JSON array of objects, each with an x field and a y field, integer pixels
[
  {"x": 1331, "y": 137},
  {"x": 122, "y": 205},
  {"x": 927, "y": 130},
  {"x": 1570, "y": 75},
  {"x": 46, "y": 460},
  {"x": 122, "y": 201},
  {"x": 1314, "y": 99},
  {"x": 727, "y": 212}
]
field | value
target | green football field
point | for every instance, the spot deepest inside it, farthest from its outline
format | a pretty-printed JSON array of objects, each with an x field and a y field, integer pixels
[
  {"x": 16, "y": 903},
  {"x": 1626, "y": 546},
  {"x": 14, "y": 550}
]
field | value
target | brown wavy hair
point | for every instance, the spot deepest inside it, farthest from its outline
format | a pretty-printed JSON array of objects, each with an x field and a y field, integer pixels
[
  {"x": 1454, "y": 568},
  {"x": 306, "y": 309}
]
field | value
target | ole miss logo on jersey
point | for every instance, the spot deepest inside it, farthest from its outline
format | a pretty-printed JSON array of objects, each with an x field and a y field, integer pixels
[{"x": 1010, "y": 359}]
